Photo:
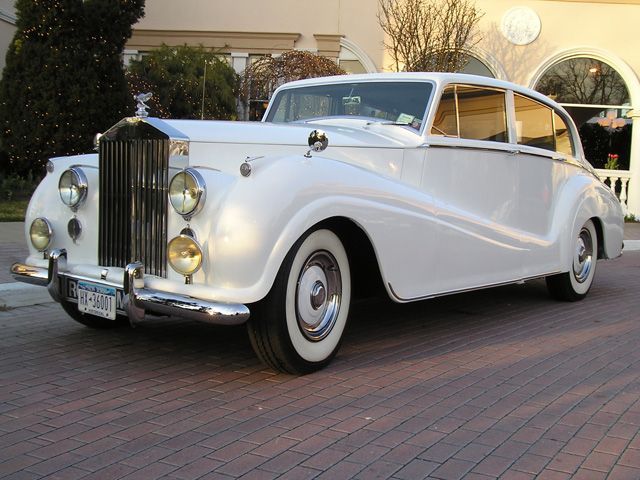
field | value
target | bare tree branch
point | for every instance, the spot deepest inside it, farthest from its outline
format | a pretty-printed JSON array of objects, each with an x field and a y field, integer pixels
[
  {"x": 584, "y": 80},
  {"x": 260, "y": 79},
  {"x": 429, "y": 35}
]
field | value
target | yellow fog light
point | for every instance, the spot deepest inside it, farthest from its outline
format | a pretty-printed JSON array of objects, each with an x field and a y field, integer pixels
[
  {"x": 185, "y": 255},
  {"x": 40, "y": 233}
]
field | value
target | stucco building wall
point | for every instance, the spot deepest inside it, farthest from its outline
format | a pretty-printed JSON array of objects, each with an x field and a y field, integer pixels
[
  {"x": 348, "y": 31},
  {"x": 610, "y": 26},
  {"x": 605, "y": 30}
]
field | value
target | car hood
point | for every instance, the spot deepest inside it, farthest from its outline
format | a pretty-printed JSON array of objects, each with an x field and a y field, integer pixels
[{"x": 342, "y": 132}]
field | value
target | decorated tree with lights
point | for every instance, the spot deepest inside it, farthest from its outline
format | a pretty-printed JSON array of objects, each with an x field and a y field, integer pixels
[
  {"x": 186, "y": 82},
  {"x": 64, "y": 79},
  {"x": 262, "y": 77}
]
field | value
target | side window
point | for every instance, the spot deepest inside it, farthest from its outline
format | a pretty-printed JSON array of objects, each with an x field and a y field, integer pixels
[
  {"x": 534, "y": 123},
  {"x": 482, "y": 113},
  {"x": 563, "y": 136},
  {"x": 446, "y": 120}
]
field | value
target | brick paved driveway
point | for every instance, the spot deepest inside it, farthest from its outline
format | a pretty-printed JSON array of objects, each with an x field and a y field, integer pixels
[{"x": 502, "y": 383}]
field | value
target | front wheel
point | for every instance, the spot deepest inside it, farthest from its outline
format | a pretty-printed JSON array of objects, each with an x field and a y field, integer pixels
[
  {"x": 298, "y": 327},
  {"x": 575, "y": 284}
]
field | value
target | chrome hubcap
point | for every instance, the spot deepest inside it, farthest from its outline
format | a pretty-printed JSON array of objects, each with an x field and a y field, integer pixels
[
  {"x": 318, "y": 295},
  {"x": 583, "y": 256}
]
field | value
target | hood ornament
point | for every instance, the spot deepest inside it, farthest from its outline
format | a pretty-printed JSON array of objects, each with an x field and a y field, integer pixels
[{"x": 142, "y": 107}]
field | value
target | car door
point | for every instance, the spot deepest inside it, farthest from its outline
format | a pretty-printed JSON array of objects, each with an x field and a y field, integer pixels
[
  {"x": 545, "y": 146},
  {"x": 473, "y": 170}
]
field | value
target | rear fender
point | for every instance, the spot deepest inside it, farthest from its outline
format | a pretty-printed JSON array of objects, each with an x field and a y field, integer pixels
[{"x": 584, "y": 198}]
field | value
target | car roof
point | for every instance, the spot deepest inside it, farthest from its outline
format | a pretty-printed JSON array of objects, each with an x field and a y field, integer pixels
[{"x": 439, "y": 78}]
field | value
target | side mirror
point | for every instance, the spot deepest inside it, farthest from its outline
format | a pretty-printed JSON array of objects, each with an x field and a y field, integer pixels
[{"x": 318, "y": 141}]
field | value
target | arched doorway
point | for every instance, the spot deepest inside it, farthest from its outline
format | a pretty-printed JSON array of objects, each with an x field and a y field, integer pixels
[{"x": 597, "y": 98}]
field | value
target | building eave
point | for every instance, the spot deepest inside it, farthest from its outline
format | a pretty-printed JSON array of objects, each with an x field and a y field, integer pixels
[{"x": 7, "y": 17}]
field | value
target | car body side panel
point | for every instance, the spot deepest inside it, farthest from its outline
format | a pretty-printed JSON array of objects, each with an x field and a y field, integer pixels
[
  {"x": 443, "y": 214},
  {"x": 253, "y": 229},
  {"x": 475, "y": 182},
  {"x": 249, "y": 224}
]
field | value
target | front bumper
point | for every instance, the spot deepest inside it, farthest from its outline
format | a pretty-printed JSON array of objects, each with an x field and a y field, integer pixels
[{"x": 138, "y": 300}]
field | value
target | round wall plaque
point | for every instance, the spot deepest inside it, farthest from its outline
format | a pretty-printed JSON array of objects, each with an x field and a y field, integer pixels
[{"x": 520, "y": 25}]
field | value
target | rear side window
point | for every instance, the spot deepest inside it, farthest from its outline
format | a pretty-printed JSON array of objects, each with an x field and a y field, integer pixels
[
  {"x": 534, "y": 123},
  {"x": 564, "y": 143},
  {"x": 470, "y": 112},
  {"x": 539, "y": 126}
]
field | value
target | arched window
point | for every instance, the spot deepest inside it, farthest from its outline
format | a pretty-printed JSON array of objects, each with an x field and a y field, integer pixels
[
  {"x": 353, "y": 59},
  {"x": 350, "y": 62},
  {"x": 597, "y": 98},
  {"x": 475, "y": 66}
]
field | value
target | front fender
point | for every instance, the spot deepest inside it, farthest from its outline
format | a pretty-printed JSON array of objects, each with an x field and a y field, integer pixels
[
  {"x": 259, "y": 218},
  {"x": 46, "y": 202}
]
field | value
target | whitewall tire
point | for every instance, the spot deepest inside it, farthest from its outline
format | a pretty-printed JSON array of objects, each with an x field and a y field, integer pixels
[
  {"x": 298, "y": 327},
  {"x": 575, "y": 284}
]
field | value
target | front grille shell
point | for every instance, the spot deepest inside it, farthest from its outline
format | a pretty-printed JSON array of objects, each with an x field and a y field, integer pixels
[{"x": 134, "y": 180}]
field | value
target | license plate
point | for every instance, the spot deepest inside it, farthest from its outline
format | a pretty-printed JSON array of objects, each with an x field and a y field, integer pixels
[{"x": 97, "y": 300}]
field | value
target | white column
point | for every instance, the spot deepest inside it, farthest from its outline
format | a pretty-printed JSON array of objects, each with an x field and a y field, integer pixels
[
  {"x": 633, "y": 200},
  {"x": 239, "y": 62}
]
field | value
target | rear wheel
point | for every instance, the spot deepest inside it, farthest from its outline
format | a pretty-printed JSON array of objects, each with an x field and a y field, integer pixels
[
  {"x": 298, "y": 327},
  {"x": 575, "y": 284},
  {"x": 92, "y": 321}
]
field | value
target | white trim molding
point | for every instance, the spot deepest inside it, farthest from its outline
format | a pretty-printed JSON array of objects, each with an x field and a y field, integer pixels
[
  {"x": 8, "y": 17},
  {"x": 360, "y": 54},
  {"x": 626, "y": 72}
]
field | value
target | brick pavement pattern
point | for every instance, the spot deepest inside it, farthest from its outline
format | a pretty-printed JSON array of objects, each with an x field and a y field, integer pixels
[{"x": 503, "y": 383}]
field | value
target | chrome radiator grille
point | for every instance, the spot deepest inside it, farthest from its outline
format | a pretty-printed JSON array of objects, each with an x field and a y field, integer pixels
[{"x": 133, "y": 203}]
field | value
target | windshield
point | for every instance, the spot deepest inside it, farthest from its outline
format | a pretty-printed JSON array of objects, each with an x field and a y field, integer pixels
[{"x": 395, "y": 102}]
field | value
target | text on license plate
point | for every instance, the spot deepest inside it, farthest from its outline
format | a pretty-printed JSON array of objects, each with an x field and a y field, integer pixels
[{"x": 97, "y": 300}]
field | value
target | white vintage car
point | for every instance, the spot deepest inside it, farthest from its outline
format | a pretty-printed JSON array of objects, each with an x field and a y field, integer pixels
[{"x": 419, "y": 185}]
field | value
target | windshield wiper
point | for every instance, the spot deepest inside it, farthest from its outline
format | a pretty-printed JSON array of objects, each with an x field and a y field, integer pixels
[{"x": 402, "y": 124}]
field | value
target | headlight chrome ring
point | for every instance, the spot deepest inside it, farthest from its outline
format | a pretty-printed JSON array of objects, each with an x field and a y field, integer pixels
[
  {"x": 73, "y": 187},
  {"x": 187, "y": 192},
  {"x": 40, "y": 233}
]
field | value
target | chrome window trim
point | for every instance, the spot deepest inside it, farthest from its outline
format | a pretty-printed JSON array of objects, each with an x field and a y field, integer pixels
[
  {"x": 425, "y": 117},
  {"x": 508, "y": 148},
  {"x": 507, "y": 109}
]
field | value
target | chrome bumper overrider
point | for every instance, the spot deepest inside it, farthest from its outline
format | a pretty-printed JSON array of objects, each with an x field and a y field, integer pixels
[{"x": 137, "y": 299}]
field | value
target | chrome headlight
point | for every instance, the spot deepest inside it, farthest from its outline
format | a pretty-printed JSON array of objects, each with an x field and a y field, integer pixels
[
  {"x": 186, "y": 192},
  {"x": 185, "y": 255},
  {"x": 73, "y": 187},
  {"x": 40, "y": 233}
]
